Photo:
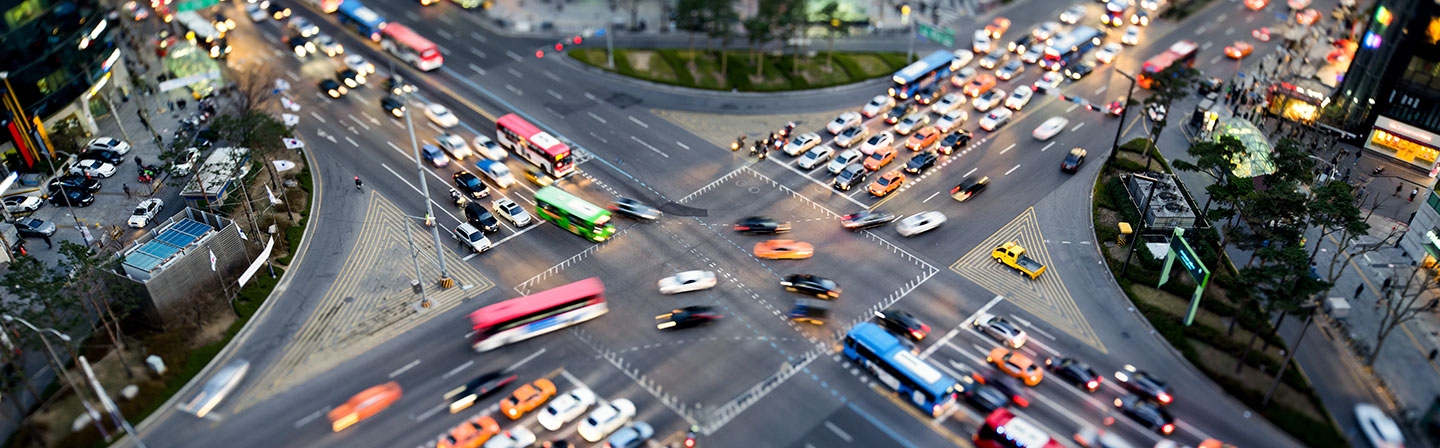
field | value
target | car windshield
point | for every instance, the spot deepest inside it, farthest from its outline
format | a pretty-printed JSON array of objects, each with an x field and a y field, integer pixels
[{"x": 471, "y": 182}]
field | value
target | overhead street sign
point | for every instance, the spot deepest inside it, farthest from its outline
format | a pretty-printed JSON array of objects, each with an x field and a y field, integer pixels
[
  {"x": 194, "y": 5},
  {"x": 943, "y": 36}
]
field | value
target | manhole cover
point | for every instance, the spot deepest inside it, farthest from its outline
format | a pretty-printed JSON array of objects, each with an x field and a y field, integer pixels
[
  {"x": 740, "y": 183},
  {"x": 349, "y": 299},
  {"x": 754, "y": 189}
]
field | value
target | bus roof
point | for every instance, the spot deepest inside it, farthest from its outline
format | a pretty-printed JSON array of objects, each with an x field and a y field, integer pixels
[
  {"x": 912, "y": 72},
  {"x": 542, "y": 139},
  {"x": 1070, "y": 40},
  {"x": 494, "y": 314},
  {"x": 202, "y": 27},
  {"x": 1177, "y": 51},
  {"x": 357, "y": 11},
  {"x": 407, "y": 36},
  {"x": 563, "y": 199},
  {"x": 887, "y": 346},
  {"x": 1021, "y": 431}
]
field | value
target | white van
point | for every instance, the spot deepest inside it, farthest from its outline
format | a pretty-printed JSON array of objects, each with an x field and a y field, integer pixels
[{"x": 497, "y": 172}]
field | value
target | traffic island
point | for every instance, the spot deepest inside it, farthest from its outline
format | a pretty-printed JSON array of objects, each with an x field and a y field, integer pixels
[
  {"x": 743, "y": 71},
  {"x": 1226, "y": 328}
]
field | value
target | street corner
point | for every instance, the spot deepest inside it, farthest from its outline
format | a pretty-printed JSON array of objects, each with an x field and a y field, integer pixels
[
  {"x": 722, "y": 129},
  {"x": 1044, "y": 296}
]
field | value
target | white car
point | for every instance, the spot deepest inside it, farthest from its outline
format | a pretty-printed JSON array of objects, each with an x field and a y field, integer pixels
[
  {"x": 185, "y": 164},
  {"x": 816, "y": 157},
  {"x": 1108, "y": 53},
  {"x": 93, "y": 168},
  {"x": 912, "y": 123},
  {"x": 920, "y": 223},
  {"x": 951, "y": 120},
  {"x": 359, "y": 64},
  {"x": 565, "y": 408},
  {"x": 962, "y": 58},
  {"x": 1073, "y": 14},
  {"x": 845, "y": 158},
  {"x": 488, "y": 148},
  {"x": 145, "y": 212},
  {"x": 303, "y": 26},
  {"x": 330, "y": 47},
  {"x": 606, "y": 419},
  {"x": 850, "y": 135},
  {"x": 1132, "y": 35},
  {"x": 1045, "y": 31},
  {"x": 982, "y": 42},
  {"x": 687, "y": 281},
  {"x": 877, "y": 141},
  {"x": 1033, "y": 55},
  {"x": 801, "y": 143},
  {"x": 472, "y": 237},
  {"x": 256, "y": 13},
  {"x": 989, "y": 100},
  {"x": 441, "y": 116},
  {"x": 843, "y": 121},
  {"x": 516, "y": 437},
  {"x": 963, "y": 76},
  {"x": 878, "y": 104},
  {"x": 995, "y": 119},
  {"x": 1049, "y": 80},
  {"x": 1150, "y": 5},
  {"x": 1019, "y": 98},
  {"x": 1000, "y": 329},
  {"x": 455, "y": 145},
  {"x": 511, "y": 211},
  {"x": 1379, "y": 429},
  {"x": 22, "y": 204},
  {"x": 110, "y": 144},
  {"x": 948, "y": 103},
  {"x": 1050, "y": 128}
]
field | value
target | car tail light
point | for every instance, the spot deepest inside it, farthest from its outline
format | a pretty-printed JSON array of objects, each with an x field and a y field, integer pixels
[
  {"x": 1020, "y": 401},
  {"x": 917, "y": 334},
  {"x": 1164, "y": 397},
  {"x": 1168, "y": 428},
  {"x": 742, "y": 228},
  {"x": 1092, "y": 385}
]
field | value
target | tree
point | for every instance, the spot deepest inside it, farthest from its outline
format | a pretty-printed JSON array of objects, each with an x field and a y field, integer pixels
[
  {"x": 1282, "y": 283},
  {"x": 793, "y": 23},
  {"x": 1217, "y": 159},
  {"x": 66, "y": 137},
  {"x": 722, "y": 19},
  {"x": 759, "y": 30},
  {"x": 834, "y": 25},
  {"x": 692, "y": 17},
  {"x": 39, "y": 292},
  {"x": 1332, "y": 209},
  {"x": 255, "y": 87},
  {"x": 1292, "y": 163},
  {"x": 89, "y": 278},
  {"x": 1413, "y": 297}
]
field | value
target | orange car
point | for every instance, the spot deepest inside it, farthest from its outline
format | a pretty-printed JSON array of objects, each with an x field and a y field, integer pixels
[
  {"x": 923, "y": 139},
  {"x": 997, "y": 27},
  {"x": 784, "y": 250},
  {"x": 470, "y": 434},
  {"x": 882, "y": 156},
  {"x": 1238, "y": 50},
  {"x": 363, "y": 405},
  {"x": 887, "y": 183},
  {"x": 978, "y": 86},
  {"x": 1016, "y": 364},
  {"x": 527, "y": 398}
]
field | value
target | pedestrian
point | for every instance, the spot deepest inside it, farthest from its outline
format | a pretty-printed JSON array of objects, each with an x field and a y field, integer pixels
[
  {"x": 1413, "y": 194},
  {"x": 1385, "y": 286},
  {"x": 1397, "y": 189},
  {"x": 127, "y": 190},
  {"x": 1433, "y": 353},
  {"x": 1357, "y": 155},
  {"x": 1358, "y": 290},
  {"x": 48, "y": 244},
  {"x": 138, "y": 161}
]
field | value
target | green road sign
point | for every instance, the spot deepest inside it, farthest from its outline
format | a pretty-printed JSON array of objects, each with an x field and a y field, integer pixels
[
  {"x": 194, "y": 5},
  {"x": 1180, "y": 249},
  {"x": 942, "y": 36}
]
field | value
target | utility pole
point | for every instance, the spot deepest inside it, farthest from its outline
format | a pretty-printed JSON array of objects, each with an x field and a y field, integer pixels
[
  {"x": 910, "y": 28},
  {"x": 445, "y": 280},
  {"x": 1115, "y": 148},
  {"x": 110, "y": 405}
]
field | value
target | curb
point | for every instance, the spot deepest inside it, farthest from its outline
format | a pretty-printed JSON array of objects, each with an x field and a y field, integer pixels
[{"x": 709, "y": 94}]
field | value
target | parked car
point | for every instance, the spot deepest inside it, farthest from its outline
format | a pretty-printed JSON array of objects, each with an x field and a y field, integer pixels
[
  {"x": 33, "y": 227},
  {"x": 20, "y": 204},
  {"x": 108, "y": 144},
  {"x": 145, "y": 212}
]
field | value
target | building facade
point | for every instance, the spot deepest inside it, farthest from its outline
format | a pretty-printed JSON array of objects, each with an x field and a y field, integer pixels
[{"x": 1391, "y": 94}]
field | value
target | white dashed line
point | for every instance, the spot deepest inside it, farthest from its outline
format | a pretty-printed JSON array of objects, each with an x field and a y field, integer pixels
[
  {"x": 1207, "y": 45},
  {"x": 647, "y": 145},
  {"x": 444, "y": 34},
  {"x": 1101, "y": 90},
  {"x": 317, "y": 117},
  {"x": 513, "y": 89},
  {"x": 554, "y": 94},
  {"x": 551, "y": 76},
  {"x": 1047, "y": 146},
  {"x": 352, "y": 142},
  {"x": 514, "y": 72},
  {"x": 457, "y": 370},
  {"x": 478, "y": 36},
  {"x": 596, "y": 117},
  {"x": 682, "y": 145},
  {"x": 401, "y": 370},
  {"x": 641, "y": 123},
  {"x": 1007, "y": 173},
  {"x": 1077, "y": 127},
  {"x": 477, "y": 52},
  {"x": 514, "y": 56},
  {"x": 1072, "y": 107},
  {"x": 931, "y": 197},
  {"x": 477, "y": 69},
  {"x": 968, "y": 173},
  {"x": 1008, "y": 148}
]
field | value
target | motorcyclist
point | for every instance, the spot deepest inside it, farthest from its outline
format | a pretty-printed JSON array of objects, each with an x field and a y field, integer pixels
[{"x": 358, "y": 183}]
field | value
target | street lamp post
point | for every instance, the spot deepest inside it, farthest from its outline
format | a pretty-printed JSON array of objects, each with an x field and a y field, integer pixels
[
  {"x": 1289, "y": 355},
  {"x": 110, "y": 405},
  {"x": 60, "y": 368},
  {"x": 429, "y": 205},
  {"x": 1115, "y": 148}
]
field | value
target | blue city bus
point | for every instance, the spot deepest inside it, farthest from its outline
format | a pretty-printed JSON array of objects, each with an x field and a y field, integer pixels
[
  {"x": 923, "y": 73},
  {"x": 363, "y": 20},
  {"x": 896, "y": 366},
  {"x": 1070, "y": 48}
]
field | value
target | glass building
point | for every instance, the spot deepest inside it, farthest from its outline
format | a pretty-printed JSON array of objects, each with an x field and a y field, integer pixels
[{"x": 1391, "y": 94}]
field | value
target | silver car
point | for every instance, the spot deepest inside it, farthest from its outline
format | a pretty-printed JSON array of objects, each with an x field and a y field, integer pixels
[
  {"x": 511, "y": 211},
  {"x": 843, "y": 160},
  {"x": 801, "y": 143},
  {"x": 913, "y": 122},
  {"x": 1000, "y": 329},
  {"x": 687, "y": 281},
  {"x": 815, "y": 157},
  {"x": 848, "y": 137}
]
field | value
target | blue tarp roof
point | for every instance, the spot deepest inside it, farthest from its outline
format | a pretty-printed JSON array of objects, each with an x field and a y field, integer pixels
[{"x": 171, "y": 241}]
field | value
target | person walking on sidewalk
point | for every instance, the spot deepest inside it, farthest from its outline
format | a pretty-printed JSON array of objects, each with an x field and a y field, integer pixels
[
  {"x": 48, "y": 244},
  {"x": 1397, "y": 189},
  {"x": 1413, "y": 193},
  {"x": 127, "y": 190},
  {"x": 1358, "y": 290}
]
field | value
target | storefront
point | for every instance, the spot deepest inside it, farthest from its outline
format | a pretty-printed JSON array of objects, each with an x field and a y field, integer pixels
[
  {"x": 1404, "y": 142},
  {"x": 1295, "y": 103}
]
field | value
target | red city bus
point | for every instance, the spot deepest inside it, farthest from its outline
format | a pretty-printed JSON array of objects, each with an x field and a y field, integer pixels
[
  {"x": 1003, "y": 429},
  {"x": 330, "y": 6},
  {"x": 410, "y": 47},
  {"x": 522, "y": 318},
  {"x": 1182, "y": 52},
  {"x": 533, "y": 145}
]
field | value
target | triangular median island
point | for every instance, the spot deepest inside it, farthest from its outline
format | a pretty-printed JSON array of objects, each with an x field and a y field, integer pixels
[
  {"x": 1045, "y": 297},
  {"x": 370, "y": 301}
]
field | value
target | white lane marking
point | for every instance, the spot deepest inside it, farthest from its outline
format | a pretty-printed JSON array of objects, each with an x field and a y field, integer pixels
[
  {"x": 444, "y": 51},
  {"x": 591, "y": 97},
  {"x": 1220, "y": 19},
  {"x": 1027, "y": 324},
  {"x": 513, "y": 89},
  {"x": 457, "y": 370},
  {"x": 317, "y": 117},
  {"x": 682, "y": 145},
  {"x": 1007, "y": 172},
  {"x": 1008, "y": 148},
  {"x": 292, "y": 75},
  {"x": 1072, "y": 107},
  {"x": 838, "y": 432},
  {"x": 401, "y": 370},
  {"x": 1077, "y": 127},
  {"x": 361, "y": 123},
  {"x": 968, "y": 173},
  {"x": 431, "y": 412},
  {"x": 1047, "y": 146},
  {"x": 936, "y": 346},
  {"x": 373, "y": 120},
  {"x": 444, "y": 34},
  {"x": 448, "y": 20},
  {"x": 352, "y": 142},
  {"x": 647, "y": 145},
  {"x": 478, "y": 36},
  {"x": 523, "y": 361},
  {"x": 514, "y": 56},
  {"x": 477, "y": 52},
  {"x": 932, "y": 196},
  {"x": 477, "y": 69},
  {"x": 552, "y": 76},
  {"x": 514, "y": 72},
  {"x": 468, "y": 257},
  {"x": 1201, "y": 30},
  {"x": 1214, "y": 59},
  {"x": 1101, "y": 90},
  {"x": 601, "y": 139},
  {"x": 1207, "y": 45},
  {"x": 310, "y": 418},
  {"x": 641, "y": 123},
  {"x": 1229, "y": 31},
  {"x": 596, "y": 117},
  {"x": 554, "y": 94}
]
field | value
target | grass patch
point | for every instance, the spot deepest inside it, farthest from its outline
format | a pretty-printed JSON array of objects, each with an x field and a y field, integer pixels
[
  {"x": 744, "y": 71},
  {"x": 647, "y": 64}
]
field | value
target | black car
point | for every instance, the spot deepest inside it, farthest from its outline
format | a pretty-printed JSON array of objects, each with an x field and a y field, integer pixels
[
  {"x": 955, "y": 140},
  {"x": 811, "y": 285},
  {"x": 1073, "y": 160},
  {"x": 921, "y": 162},
  {"x": 1079, "y": 70},
  {"x": 634, "y": 209},
  {"x": 986, "y": 398},
  {"x": 77, "y": 182},
  {"x": 1006, "y": 385},
  {"x": 900, "y": 111},
  {"x": 928, "y": 94},
  {"x": 104, "y": 155},
  {"x": 278, "y": 12},
  {"x": 398, "y": 86},
  {"x": 481, "y": 218},
  {"x": 485, "y": 385},
  {"x": 690, "y": 316},
  {"x": 969, "y": 187},
  {"x": 852, "y": 175},
  {"x": 470, "y": 185},
  {"x": 332, "y": 88},
  {"x": 393, "y": 106},
  {"x": 350, "y": 78},
  {"x": 810, "y": 311},
  {"x": 1018, "y": 46},
  {"x": 1074, "y": 372},
  {"x": 1144, "y": 384},
  {"x": 301, "y": 45},
  {"x": 757, "y": 225},
  {"x": 866, "y": 219},
  {"x": 72, "y": 198},
  {"x": 1211, "y": 85},
  {"x": 903, "y": 323},
  {"x": 1146, "y": 413}
]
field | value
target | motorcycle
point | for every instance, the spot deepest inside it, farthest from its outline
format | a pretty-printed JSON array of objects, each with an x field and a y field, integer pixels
[
  {"x": 691, "y": 436},
  {"x": 457, "y": 197},
  {"x": 764, "y": 152},
  {"x": 738, "y": 143},
  {"x": 1377, "y": 170}
]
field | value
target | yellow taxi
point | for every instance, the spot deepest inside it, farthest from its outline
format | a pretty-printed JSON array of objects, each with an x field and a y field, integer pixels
[
  {"x": 1016, "y": 364},
  {"x": 527, "y": 398},
  {"x": 887, "y": 183}
]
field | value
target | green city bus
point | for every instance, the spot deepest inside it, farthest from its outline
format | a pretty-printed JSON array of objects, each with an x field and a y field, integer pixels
[{"x": 573, "y": 214}]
